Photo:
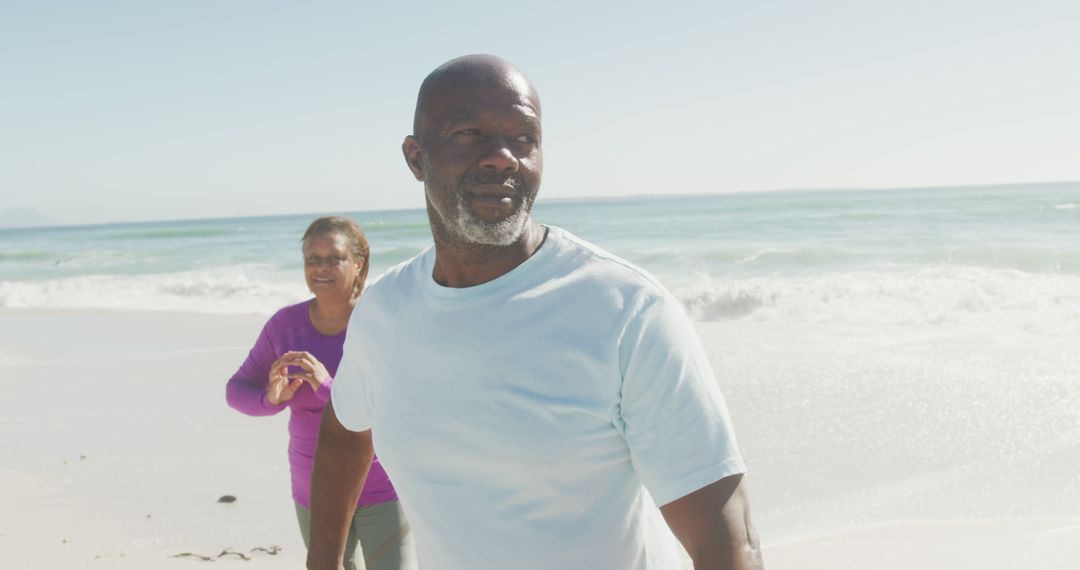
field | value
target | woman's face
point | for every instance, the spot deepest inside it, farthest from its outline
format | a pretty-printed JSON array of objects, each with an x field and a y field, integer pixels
[{"x": 330, "y": 269}]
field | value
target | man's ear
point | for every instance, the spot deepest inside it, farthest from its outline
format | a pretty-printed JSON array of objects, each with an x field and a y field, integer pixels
[{"x": 411, "y": 150}]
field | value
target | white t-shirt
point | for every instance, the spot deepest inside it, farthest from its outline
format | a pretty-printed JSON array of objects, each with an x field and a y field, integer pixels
[{"x": 522, "y": 420}]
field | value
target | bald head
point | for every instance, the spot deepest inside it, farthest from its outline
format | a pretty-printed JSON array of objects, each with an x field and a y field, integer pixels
[{"x": 469, "y": 71}]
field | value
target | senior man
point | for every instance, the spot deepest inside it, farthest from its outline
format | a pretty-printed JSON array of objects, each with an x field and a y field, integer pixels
[{"x": 533, "y": 397}]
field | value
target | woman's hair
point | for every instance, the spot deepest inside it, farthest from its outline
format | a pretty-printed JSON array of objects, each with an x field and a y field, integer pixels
[{"x": 358, "y": 244}]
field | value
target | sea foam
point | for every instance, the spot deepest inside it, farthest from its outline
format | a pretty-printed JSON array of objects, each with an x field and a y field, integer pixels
[
  {"x": 923, "y": 295},
  {"x": 926, "y": 295},
  {"x": 218, "y": 292}
]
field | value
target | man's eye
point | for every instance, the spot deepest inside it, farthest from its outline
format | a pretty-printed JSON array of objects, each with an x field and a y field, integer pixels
[
  {"x": 527, "y": 139},
  {"x": 468, "y": 132}
]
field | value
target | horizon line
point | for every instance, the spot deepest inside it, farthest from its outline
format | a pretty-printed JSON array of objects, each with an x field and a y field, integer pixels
[{"x": 545, "y": 200}]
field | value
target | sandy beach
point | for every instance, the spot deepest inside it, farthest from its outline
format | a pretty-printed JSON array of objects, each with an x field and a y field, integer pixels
[
  {"x": 118, "y": 444},
  {"x": 870, "y": 211}
]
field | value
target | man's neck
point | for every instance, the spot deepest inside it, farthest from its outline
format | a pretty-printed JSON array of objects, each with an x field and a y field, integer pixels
[{"x": 467, "y": 265}]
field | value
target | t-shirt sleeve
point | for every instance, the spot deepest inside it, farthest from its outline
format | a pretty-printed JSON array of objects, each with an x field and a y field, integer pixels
[
  {"x": 351, "y": 390},
  {"x": 673, "y": 415}
]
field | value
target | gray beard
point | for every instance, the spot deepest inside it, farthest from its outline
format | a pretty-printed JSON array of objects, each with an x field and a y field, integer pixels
[{"x": 465, "y": 228}]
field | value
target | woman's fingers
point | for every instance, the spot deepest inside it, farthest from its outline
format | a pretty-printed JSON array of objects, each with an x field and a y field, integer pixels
[
  {"x": 306, "y": 362},
  {"x": 301, "y": 358},
  {"x": 284, "y": 390},
  {"x": 292, "y": 369},
  {"x": 294, "y": 355}
]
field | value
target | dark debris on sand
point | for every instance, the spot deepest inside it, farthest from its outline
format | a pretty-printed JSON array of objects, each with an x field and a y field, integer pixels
[{"x": 228, "y": 552}]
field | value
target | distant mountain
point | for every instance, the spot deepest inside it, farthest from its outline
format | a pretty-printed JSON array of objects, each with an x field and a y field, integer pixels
[{"x": 23, "y": 218}]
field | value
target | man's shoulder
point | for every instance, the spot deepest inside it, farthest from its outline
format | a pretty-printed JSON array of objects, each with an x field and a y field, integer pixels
[
  {"x": 591, "y": 262},
  {"x": 401, "y": 275},
  {"x": 386, "y": 294}
]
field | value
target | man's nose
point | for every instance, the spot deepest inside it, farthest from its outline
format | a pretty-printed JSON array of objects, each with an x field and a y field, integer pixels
[{"x": 499, "y": 157}]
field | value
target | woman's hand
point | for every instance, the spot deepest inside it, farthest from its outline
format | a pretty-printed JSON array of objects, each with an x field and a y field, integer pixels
[
  {"x": 281, "y": 387},
  {"x": 311, "y": 370}
]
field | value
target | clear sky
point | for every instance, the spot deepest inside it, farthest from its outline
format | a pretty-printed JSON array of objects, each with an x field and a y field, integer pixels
[{"x": 145, "y": 110}]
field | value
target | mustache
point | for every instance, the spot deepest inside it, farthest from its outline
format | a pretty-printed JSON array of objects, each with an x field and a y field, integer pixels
[{"x": 496, "y": 178}]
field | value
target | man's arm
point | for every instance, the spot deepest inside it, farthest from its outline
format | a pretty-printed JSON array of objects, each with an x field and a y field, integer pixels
[
  {"x": 713, "y": 524},
  {"x": 342, "y": 461}
]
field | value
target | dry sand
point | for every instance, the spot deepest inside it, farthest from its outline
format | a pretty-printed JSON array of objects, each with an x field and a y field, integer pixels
[{"x": 117, "y": 444}]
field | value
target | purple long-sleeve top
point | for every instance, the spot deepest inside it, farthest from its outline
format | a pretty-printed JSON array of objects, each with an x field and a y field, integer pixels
[{"x": 291, "y": 329}]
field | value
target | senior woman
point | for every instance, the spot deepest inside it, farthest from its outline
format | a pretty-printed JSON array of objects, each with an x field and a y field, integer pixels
[{"x": 292, "y": 365}]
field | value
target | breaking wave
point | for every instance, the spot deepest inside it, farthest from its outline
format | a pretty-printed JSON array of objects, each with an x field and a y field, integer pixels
[{"x": 927, "y": 295}]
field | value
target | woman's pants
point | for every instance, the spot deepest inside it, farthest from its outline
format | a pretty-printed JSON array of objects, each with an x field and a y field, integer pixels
[{"x": 379, "y": 537}]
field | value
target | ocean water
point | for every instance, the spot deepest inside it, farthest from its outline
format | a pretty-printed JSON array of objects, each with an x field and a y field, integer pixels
[
  {"x": 890, "y": 357},
  {"x": 886, "y": 255}
]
